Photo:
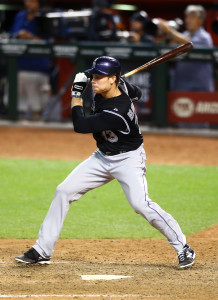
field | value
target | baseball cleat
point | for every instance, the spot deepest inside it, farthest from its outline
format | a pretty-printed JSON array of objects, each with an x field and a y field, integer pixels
[
  {"x": 186, "y": 257},
  {"x": 32, "y": 257}
]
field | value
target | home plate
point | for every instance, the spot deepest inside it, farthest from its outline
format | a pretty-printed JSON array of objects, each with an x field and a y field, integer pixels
[{"x": 103, "y": 277}]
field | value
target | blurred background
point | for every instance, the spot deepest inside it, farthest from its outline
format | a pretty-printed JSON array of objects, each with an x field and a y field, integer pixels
[{"x": 43, "y": 43}]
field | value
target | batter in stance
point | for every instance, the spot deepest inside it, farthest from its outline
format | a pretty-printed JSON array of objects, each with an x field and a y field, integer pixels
[{"x": 120, "y": 155}]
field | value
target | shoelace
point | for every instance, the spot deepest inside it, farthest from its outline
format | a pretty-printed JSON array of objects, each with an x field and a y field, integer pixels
[
  {"x": 30, "y": 254},
  {"x": 189, "y": 254},
  {"x": 188, "y": 251},
  {"x": 181, "y": 255}
]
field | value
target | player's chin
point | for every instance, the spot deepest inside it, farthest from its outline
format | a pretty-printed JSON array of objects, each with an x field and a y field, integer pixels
[{"x": 96, "y": 90}]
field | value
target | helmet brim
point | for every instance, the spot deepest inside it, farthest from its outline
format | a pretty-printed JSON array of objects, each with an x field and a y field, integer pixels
[{"x": 94, "y": 71}]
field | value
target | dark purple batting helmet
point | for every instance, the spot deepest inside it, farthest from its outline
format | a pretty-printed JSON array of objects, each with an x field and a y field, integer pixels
[{"x": 105, "y": 65}]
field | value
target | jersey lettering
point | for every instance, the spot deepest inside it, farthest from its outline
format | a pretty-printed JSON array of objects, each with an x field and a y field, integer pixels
[
  {"x": 110, "y": 136},
  {"x": 136, "y": 117},
  {"x": 130, "y": 114}
]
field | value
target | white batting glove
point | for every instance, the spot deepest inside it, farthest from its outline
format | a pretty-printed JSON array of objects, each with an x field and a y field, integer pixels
[{"x": 80, "y": 83}]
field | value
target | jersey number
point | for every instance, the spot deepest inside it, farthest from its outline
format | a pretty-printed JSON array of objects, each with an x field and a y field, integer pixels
[{"x": 110, "y": 136}]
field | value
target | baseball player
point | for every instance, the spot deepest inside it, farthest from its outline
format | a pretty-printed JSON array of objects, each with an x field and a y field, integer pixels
[{"x": 120, "y": 155}]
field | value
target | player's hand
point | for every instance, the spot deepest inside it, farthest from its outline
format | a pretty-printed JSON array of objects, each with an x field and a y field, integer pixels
[{"x": 80, "y": 83}]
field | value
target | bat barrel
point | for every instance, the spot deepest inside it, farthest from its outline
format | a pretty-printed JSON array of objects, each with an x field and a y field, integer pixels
[{"x": 162, "y": 58}]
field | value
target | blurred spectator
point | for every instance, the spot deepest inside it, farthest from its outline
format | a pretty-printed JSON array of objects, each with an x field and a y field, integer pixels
[
  {"x": 103, "y": 22},
  {"x": 188, "y": 75},
  {"x": 138, "y": 32},
  {"x": 3, "y": 85},
  {"x": 33, "y": 79}
]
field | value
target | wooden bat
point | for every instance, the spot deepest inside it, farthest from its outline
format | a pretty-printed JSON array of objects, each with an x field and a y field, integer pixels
[{"x": 162, "y": 58}]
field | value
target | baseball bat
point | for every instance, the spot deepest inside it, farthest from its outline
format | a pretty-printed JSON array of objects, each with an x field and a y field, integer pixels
[{"x": 162, "y": 58}]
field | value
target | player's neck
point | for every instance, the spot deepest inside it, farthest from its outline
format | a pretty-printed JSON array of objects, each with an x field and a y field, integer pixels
[{"x": 113, "y": 92}]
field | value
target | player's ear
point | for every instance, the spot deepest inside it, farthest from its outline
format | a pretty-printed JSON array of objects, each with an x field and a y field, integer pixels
[{"x": 112, "y": 79}]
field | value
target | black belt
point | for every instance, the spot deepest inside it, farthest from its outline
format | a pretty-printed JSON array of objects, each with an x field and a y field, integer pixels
[{"x": 113, "y": 153}]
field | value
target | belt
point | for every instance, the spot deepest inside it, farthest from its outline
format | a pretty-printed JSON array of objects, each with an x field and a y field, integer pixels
[{"x": 113, "y": 153}]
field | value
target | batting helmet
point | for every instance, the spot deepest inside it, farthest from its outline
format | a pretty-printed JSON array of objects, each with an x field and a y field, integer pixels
[{"x": 105, "y": 65}]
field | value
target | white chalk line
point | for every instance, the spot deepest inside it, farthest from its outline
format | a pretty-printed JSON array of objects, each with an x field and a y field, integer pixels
[
  {"x": 79, "y": 296},
  {"x": 52, "y": 262},
  {"x": 70, "y": 262},
  {"x": 104, "y": 277}
]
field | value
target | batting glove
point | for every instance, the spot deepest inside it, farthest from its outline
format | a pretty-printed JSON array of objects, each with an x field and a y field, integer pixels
[{"x": 80, "y": 83}]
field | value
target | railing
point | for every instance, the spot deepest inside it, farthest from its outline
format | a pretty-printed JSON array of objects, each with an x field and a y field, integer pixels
[{"x": 84, "y": 52}]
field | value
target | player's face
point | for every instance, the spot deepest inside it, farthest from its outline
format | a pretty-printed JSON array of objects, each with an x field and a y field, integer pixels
[
  {"x": 102, "y": 84},
  {"x": 193, "y": 21}
]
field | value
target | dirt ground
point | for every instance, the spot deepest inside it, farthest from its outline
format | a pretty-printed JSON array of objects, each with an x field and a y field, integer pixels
[
  {"x": 67, "y": 145},
  {"x": 151, "y": 263}
]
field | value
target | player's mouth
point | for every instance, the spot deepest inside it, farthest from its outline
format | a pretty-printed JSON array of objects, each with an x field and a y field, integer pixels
[{"x": 94, "y": 86}]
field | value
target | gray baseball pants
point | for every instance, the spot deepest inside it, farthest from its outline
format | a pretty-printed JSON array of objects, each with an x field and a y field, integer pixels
[{"x": 129, "y": 169}]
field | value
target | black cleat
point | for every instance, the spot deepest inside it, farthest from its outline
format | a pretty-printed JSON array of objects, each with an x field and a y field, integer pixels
[
  {"x": 186, "y": 257},
  {"x": 32, "y": 257}
]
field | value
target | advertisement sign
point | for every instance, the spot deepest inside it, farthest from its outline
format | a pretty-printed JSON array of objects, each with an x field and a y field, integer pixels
[{"x": 192, "y": 107}]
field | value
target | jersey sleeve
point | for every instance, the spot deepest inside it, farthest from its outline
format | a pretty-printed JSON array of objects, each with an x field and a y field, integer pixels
[
  {"x": 202, "y": 41},
  {"x": 106, "y": 120},
  {"x": 131, "y": 90},
  {"x": 18, "y": 23}
]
